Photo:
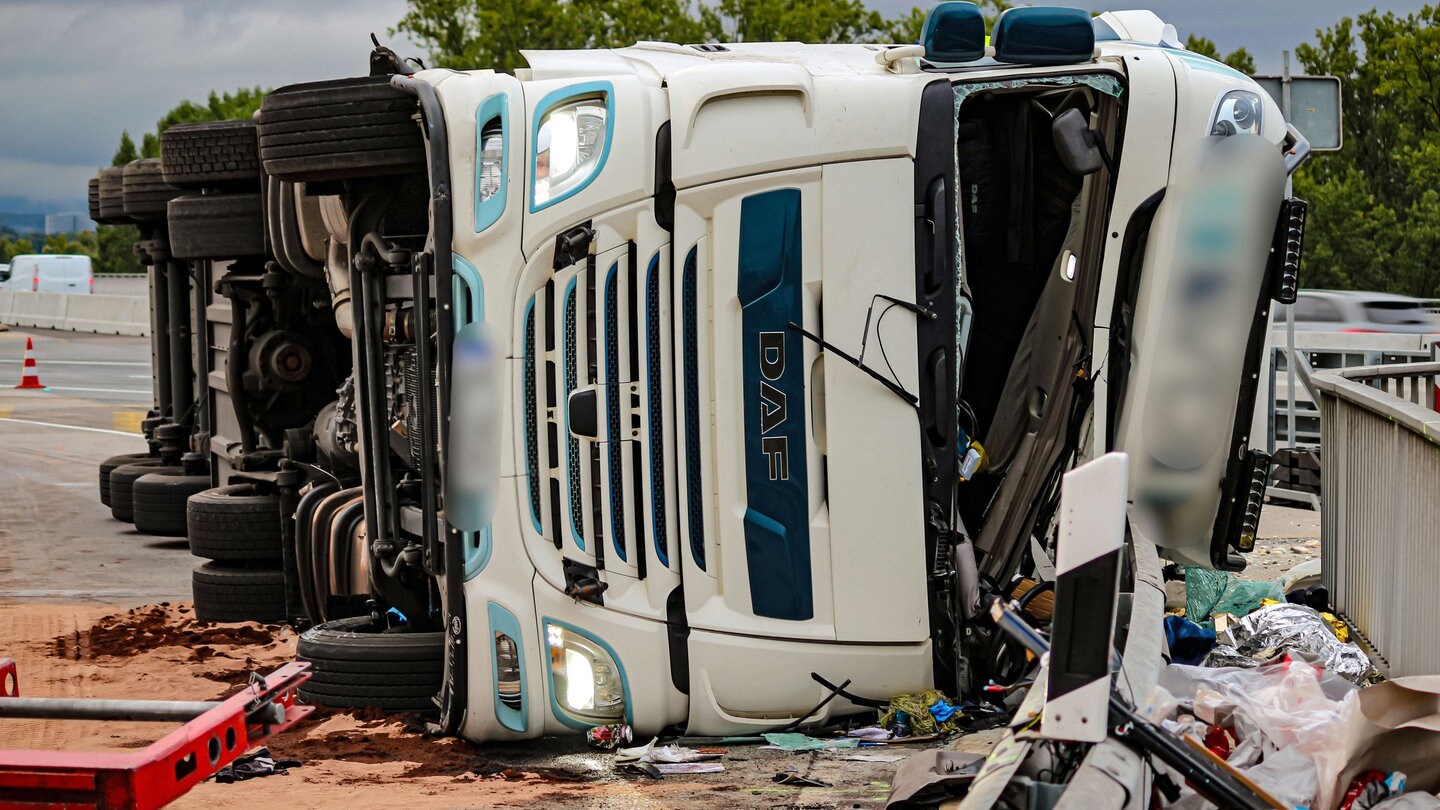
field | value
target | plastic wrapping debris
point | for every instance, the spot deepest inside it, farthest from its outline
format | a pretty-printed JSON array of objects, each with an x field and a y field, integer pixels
[
  {"x": 1188, "y": 641},
  {"x": 667, "y": 768},
  {"x": 1210, "y": 592},
  {"x": 1371, "y": 788},
  {"x": 1286, "y": 705},
  {"x": 1410, "y": 801},
  {"x": 656, "y": 753},
  {"x": 869, "y": 733},
  {"x": 804, "y": 742},
  {"x": 1286, "y": 775},
  {"x": 1285, "y": 628}
]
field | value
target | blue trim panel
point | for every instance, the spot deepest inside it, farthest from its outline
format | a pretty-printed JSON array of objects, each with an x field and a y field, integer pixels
[
  {"x": 469, "y": 298},
  {"x": 611, "y": 354},
  {"x": 503, "y": 621},
  {"x": 694, "y": 491},
  {"x": 777, "y": 521},
  {"x": 574, "y": 92},
  {"x": 654, "y": 385},
  {"x": 532, "y": 441},
  {"x": 560, "y": 713},
  {"x": 572, "y": 455},
  {"x": 496, "y": 106}
]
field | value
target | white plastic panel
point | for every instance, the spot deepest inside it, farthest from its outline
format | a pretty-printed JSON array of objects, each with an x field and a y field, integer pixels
[
  {"x": 742, "y": 685},
  {"x": 876, "y": 515},
  {"x": 736, "y": 119}
]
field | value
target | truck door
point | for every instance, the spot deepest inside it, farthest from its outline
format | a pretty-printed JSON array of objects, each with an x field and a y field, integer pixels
[{"x": 1199, "y": 325}]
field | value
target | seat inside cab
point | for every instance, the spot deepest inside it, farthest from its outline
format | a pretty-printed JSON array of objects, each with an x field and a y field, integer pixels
[{"x": 1031, "y": 233}]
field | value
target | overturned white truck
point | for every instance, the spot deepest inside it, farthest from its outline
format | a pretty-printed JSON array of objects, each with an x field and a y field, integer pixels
[{"x": 691, "y": 381}]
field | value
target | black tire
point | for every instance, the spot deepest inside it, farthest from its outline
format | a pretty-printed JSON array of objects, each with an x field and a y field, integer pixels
[
  {"x": 111, "y": 186},
  {"x": 159, "y": 501},
  {"x": 108, "y": 466},
  {"x": 331, "y": 130},
  {"x": 214, "y": 154},
  {"x": 145, "y": 192},
  {"x": 122, "y": 485},
  {"x": 238, "y": 594},
  {"x": 216, "y": 226},
  {"x": 353, "y": 665},
  {"x": 234, "y": 523},
  {"x": 93, "y": 197}
]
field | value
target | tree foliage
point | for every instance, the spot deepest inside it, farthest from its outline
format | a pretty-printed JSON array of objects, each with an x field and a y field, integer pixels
[
  {"x": 491, "y": 33},
  {"x": 1240, "y": 59},
  {"x": 12, "y": 246},
  {"x": 126, "y": 152},
  {"x": 1375, "y": 205}
]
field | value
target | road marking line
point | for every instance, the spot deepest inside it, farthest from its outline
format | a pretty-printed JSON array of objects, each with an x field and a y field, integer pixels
[
  {"x": 135, "y": 391},
  {"x": 80, "y": 362},
  {"x": 67, "y": 427}
]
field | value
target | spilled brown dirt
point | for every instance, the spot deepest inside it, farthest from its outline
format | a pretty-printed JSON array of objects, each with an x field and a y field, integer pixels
[
  {"x": 358, "y": 759},
  {"x": 146, "y": 628}
]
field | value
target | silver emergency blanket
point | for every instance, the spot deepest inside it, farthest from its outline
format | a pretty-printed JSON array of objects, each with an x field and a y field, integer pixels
[{"x": 1284, "y": 628}]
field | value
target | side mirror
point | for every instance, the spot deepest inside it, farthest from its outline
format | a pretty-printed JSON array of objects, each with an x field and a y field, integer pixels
[
  {"x": 954, "y": 32},
  {"x": 1076, "y": 143}
]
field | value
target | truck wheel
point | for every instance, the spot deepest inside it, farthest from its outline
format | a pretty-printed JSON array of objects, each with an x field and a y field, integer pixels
[
  {"x": 214, "y": 154},
  {"x": 355, "y": 664},
  {"x": 234, "y": 523},
  {"x": 93, "y": 197},
  {"x": 108, "y": 466},
  {"x": 216, "y": 226},
  {"x": 145, "y": 192},
  {"x": 331, "y": 130},
  {"x": 224, "y": 594},
  {"x": 159, "y": 501},
  {"x": 122, "y": 485},
  {"x": 111, "y": 187}
]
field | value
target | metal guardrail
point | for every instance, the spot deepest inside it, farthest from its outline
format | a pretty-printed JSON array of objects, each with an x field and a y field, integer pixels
[
  {"x": 1322, "y": 351},
  {"x": 1380, "y": 516}
]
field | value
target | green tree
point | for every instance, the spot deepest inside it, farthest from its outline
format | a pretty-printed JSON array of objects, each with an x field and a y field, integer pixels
[
  {"x": 10, "y": 247},
  {"x": 782, "y": 20},
  {"x": 909, "y": 25},
  {"x": 126, "y": 152},
  {"x": 115, "y": 249},
  {"x": 1240, "y": 59},
  {"x": 491, "y": 33},
  {"x": 71, "y": 243},
  {"x": 1375, "y": 205}
]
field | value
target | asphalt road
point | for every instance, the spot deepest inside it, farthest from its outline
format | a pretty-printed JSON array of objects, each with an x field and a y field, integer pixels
[{"x": 58, "y": 543}]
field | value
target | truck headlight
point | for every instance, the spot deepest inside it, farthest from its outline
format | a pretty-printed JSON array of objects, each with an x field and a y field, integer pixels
[
  {"x": 585, "y": 678},
  {"x": 492, "y": 160},
  {"x": 1238, "y": 111},
  {"x": 569, "y": 145}
]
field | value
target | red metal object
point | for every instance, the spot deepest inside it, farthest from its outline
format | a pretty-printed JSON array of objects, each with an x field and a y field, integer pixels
[
  {"x": 154, "y": 776},
  {"x": 9, "y": 678}
]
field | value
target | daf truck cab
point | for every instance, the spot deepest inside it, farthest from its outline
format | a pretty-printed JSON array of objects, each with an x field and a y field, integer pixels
[{"x": 709, "y": 377}]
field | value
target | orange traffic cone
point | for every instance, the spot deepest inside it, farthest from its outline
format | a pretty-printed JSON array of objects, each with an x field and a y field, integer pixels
[{"x": 30, "y": 377}]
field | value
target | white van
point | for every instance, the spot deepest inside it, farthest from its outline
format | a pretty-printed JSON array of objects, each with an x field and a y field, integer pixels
[{"x": 58, "y": 273}]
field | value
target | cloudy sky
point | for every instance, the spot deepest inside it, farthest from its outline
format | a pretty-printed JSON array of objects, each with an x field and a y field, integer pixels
[{"x": 77, "y": 72}]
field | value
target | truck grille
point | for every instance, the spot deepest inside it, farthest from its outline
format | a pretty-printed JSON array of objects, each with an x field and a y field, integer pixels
[{"x": 616, "y": 486}]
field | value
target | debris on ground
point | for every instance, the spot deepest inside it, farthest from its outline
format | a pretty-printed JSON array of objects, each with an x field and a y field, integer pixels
[
  {"x": 1281, "y": 628},
  {"x": 253, "y": 765}
]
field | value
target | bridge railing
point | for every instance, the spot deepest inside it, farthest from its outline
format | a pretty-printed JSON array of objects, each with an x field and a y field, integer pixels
[{"x": 1380, "y": 514}]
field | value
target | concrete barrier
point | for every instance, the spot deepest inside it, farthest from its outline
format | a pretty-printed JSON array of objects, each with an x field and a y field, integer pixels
[{"x": 101, "y": 314}]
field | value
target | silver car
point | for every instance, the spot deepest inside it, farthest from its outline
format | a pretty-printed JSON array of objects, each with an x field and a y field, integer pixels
[{"x": 1352, "y": 311}]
